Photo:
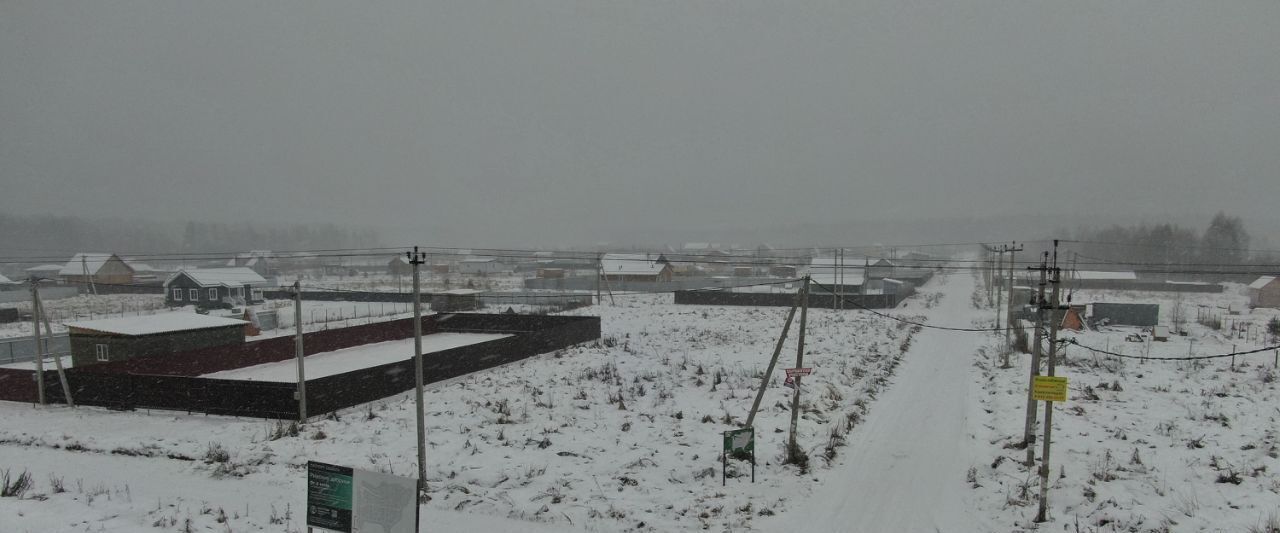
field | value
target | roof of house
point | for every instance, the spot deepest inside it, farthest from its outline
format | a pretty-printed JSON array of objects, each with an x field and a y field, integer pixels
[
  {"x": 221, "y": 277},
  {"x": 92, "y": 260},
  {"x": 153, "y": 324},
  {"x": 850, "y": 277},
  {"x": 44, "y": 268},
  {"x": 632, "y": 264},
  {"x": 5, "y": 280},
  {"x": 1261, "y": 282},
  {"x": 1098, "y": 275}
]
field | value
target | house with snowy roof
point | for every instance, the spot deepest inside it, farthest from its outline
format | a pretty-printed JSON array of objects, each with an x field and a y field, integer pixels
[
  {"x": 94, "y": 267},
  {"x": 635, "y": 267},
  {"x": 211, "y": 288},
  {"x": 1265, "y": 292}
]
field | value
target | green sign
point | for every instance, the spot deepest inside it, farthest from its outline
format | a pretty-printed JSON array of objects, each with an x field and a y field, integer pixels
[
  {"x": 740, "y": 441},
  {"x": 329, "y": 496}
]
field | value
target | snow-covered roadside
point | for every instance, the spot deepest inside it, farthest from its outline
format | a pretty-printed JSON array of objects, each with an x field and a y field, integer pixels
[
  {"x": 620, "y": 435},
  {"x": 903, "y": 469},
  {"x": 1138, "y": 446}
]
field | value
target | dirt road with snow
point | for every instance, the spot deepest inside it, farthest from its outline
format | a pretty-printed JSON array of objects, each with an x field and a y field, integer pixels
[{"x": 904, "y": 468}]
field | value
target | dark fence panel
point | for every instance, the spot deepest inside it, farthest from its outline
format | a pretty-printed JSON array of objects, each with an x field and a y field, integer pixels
[
  {"x": 258, "y": 399},
  {"x": 220, "y": 358},
  {"x": 118, "y": 388},
  {"x": 533, "y": 335},
  {"x": 852, "y": 301},
  {"x": 130, "y": 289}
]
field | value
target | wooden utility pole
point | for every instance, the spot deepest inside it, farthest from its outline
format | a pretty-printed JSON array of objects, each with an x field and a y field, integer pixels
[
  {"x": 1028, "y": 433},
  {"x": 773, "y": 362},
  {"x": 793, "y": 449},
  {"x": 43, "y": 347},
  {"x": 35, "y": 328},
  {"x": 599, "y": 274},
  {"x": 415, "y": 259},
  {"x": 298, "y": 352},
  {"x": 1008, "y": 321},
  {"x": 1048, "y": 406}
]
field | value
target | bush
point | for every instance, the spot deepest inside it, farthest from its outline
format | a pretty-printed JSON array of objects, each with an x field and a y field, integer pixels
[{"x": 15, "y": 487}]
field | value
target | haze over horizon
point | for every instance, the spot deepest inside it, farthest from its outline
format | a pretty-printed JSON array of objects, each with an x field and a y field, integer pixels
[{"x": 564, "y": 122}]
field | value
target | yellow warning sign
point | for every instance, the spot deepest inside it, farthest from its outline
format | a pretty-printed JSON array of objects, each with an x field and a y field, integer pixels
[{"x": 1049, "y": 389}]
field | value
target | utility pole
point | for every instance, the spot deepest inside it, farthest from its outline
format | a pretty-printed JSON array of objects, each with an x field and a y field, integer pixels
[
  {"x": 599, "y": 273},
  {"x": 1028, "y": 432},
  {"x": 1048, "y": 406},
  {"x": 43, "y": 348},
  {"x": 415, "y": 259},
  {"x": 35, "y": 327},
  {"x": 773, "y": 362},
  {"x": 298, "y": 351},
  {"x": 995, "y": 278},
  {"x": 1008, "y": 322},
  {"x": 793, "y": 449}
]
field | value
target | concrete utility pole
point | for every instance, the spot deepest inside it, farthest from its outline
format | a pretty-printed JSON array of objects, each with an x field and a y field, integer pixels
[
  {"x": 995, "y": 278},
  {"x": 1028, "y": 433},
  {"x": 793, "y": 449},
  {"x": 415, "y": 259},
  {"x": 773, "y": 362},
  {"x": 43, "y": 348},
  {"x": 88, "y": 280},
  {"x": 35, "y": 328},
  {"x": 298, "y": 351},
  {"x": 1048, "y": 406},
  {"x": 1008, "y": 321}
]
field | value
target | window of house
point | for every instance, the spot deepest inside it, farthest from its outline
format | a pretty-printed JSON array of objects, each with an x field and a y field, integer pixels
[
  {"x": 194, "y": 294},
  {"x": 257, "y": 294},
  {"x": 177, "y": 295},
  {"x": 213, "y": 294},
  {"x": 102, "y": 352},
  {"x": 239, "y": 292}
]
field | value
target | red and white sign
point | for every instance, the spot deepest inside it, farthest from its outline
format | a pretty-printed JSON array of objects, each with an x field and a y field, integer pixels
[{"x": 793, "y": 372}]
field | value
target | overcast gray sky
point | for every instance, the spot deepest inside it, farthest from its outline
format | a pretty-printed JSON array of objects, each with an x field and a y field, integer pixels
[{"x": 497, "y": 122}]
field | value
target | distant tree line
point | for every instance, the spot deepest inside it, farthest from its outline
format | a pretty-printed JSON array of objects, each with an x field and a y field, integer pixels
[
  {"x": 1223, "y": 247},
  {"x": 52, "y": 236}
]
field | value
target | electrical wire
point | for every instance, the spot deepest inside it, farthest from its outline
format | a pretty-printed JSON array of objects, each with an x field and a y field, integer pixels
[{"x": 1151, "y": 358}]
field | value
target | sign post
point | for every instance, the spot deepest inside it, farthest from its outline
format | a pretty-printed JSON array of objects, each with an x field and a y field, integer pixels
[
  {"x": 350, "y": 500},
  {"x": 738, "y": 442}
]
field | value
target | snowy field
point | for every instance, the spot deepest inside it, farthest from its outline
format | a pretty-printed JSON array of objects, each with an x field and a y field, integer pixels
[
  {"x": 621, "y": 435},
  {"x": 339, "y": 361},
  {"x": 1140, "y": 445},
  {"x": 905, "y": 428}
]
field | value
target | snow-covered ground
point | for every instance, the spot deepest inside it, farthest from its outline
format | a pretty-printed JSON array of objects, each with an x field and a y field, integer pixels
[
  {"x": 339, "y": 361},
  {"x": 624, "y": 435},
  {"x": 620, "y": 435},
  {"x": 1139, "y": 445}
]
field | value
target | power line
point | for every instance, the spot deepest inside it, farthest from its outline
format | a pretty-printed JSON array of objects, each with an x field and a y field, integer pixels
[{"x": 1151, "y": 358}]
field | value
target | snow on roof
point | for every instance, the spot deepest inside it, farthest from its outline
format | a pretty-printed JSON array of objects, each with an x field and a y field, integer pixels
[
  {"x": 461, "y": 292},
  {"x": 44, "y": 268},
  {"x": 850, "y": 277},
  {"x": 632, "y": 264},
  {"x": 479, "y": 260},
  {"x": 1099, "y": 275},
  {"x": 93, "y": 260},
  {"x": 141, "y": 267},
  {"x": 5, "y": 280},
  {"x": 221, "y": 277},
  {"x": 152, "y": 324},
  {"x": 1261, "y": 282}
]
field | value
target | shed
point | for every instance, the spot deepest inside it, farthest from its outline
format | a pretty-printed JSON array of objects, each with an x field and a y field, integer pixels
[
  {"x": 1145, "y": 315},
  {"x": 214, "y": 287},
  {"x": 480, "y": 265},
  {"x": 1265, "y": 292},
  {"x": 881, "y": 269},
  {"x": 50, "y": 272},
  {"x": 1073, "y": 318},
  {"x": 118, "y": 339},
  {"x": 456, "y": 300}
]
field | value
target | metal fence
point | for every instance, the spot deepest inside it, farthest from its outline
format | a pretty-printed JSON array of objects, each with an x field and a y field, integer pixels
[{"x": 20, "y": 350}]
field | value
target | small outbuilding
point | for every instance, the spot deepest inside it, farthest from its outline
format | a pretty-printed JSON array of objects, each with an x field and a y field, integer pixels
[
  {"x": 1265, "y": 292},
  {"x": 635, "y": 267},
  {"x": 397, "y": 266},
  {"x": 1145, "y": 315},
  {"x": 118, "y": 339}
]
